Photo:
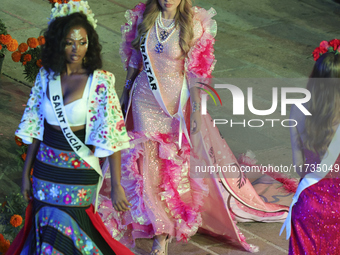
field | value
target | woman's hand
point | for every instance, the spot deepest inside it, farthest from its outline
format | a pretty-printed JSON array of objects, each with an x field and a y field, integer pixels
[
  {"x": 195, "y": 122},
  {"x": 118, "y": 198},
  {"x": 26, "y": 189}
]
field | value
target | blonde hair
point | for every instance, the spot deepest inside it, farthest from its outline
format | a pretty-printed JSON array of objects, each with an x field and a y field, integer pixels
[
  {"x": 324, "y": 105},
  {"x": 183, "y": 19}
]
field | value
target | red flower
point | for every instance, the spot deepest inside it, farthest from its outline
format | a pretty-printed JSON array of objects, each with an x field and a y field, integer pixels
[
  {"x": 324, "y": 47},
  {"x": 334, "y": 43},
  {"x": 120, "y": 124},
  {"x": 317, "y": 53},
  {"x": 76, "y": 163}
]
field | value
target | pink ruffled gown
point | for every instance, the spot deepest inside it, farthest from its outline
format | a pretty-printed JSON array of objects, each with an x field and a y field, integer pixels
[
  {"x": 316, "y": 215},
  {"x": 156, "y": 172}
]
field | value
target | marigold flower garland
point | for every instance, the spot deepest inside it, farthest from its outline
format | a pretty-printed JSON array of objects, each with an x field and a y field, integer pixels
[
  {"x": 12, "y": 210},
  {"x": 6, "y": 40},
  {"x": 29, "y": 55}
]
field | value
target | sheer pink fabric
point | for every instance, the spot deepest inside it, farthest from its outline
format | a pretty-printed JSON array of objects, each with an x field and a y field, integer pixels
[{"x": 155, "y": 172}]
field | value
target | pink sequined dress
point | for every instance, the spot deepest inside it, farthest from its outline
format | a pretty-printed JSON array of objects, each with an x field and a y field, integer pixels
[
  {"x": 316, "y": 215},
  {"x": 155, "y": 171}
]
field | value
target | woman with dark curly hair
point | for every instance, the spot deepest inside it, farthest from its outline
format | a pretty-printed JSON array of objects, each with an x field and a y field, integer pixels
[{"x": 72, "y": 104}]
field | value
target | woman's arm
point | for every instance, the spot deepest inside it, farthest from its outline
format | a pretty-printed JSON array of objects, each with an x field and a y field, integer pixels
[
  {"x": 119, "y": 201},
  {"x": 130, "y": 78},
  {"x": 30, "y": 157}
]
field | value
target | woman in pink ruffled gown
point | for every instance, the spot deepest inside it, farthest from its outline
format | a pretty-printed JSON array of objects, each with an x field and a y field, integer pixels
[
  {"x": 315, "y": 222},
  {"x": 166, "y": 200}
]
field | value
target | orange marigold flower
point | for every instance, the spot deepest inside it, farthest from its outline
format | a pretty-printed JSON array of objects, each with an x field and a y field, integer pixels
[
  {"x": 13, "y": 45},
  {"x": 1, "y": 238},
  {"x": 27, "y": 58},
  {"x": 24, "y": 63},
  {"x": 2, "y": 38},
  {"x": 16, "y": 56},
  {"x": 23, "y": 156},
  {"x": 18, "y": 140},
  {"x": 41, "y": 40},
  {"x": 32, "y": 42},
  {"x": 23, "y": 47},
  {"x": 0, "y": 47},
  {"x": 39, "y": 63},
  {"x": 4, "y": 246},
  {"x": 16, "y": 220},
  {"x": 31, "y": 173},
  {"x": 5, "y": 39}
]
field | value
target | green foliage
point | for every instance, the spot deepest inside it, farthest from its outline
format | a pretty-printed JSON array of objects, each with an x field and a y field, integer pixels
[
  {"x": 13, "y": 204},
  {"x": 31, "y": 68},
  {"x": 3, "y": 30}
]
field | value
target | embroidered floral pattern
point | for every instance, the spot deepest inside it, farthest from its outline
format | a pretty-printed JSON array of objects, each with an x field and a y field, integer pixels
[
  {"x": 100, "y": 89},
  {"x": 81, "y": 193},
  {"x": 32, "y": 122},
  {"x": 105, "y": 114},
  {"x": 63, "y": 194},
  {"x": 68, "y": 231},
  {"x": 59, "y": 158},
  {"x": 67, "y": 226},
  {"x": 120, "y": 125},
  {"x": 76, "y": 163},
  {"x": 63, "y": 156}
]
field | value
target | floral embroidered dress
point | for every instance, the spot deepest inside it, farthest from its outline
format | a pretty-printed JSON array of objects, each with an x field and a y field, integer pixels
[
  {"x": 155, "y": 171},
  {"x": 61, "y": 219}
]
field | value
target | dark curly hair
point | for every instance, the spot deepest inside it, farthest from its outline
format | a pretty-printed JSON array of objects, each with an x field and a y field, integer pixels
[{"x": 53, "y": 51}]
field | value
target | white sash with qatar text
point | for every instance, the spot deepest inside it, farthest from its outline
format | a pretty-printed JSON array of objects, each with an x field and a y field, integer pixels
[{"x": 154, "y": 86}]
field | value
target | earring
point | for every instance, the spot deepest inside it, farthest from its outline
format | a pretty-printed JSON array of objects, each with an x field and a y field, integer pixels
[{"x": 84, "y": 60}]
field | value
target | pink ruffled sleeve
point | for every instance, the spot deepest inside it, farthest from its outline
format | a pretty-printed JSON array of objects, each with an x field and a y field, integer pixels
[
  {"x": 200, "y": 60},
  {"x": 129, "y": 56}
]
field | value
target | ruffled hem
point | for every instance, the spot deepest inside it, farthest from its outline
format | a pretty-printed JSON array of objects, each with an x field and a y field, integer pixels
[
  {"x": 200, "y": 61},
  {"x": 129, "y": 32},
  {"x": 183, "y": 212}
]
